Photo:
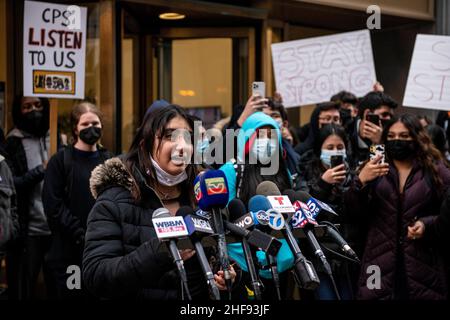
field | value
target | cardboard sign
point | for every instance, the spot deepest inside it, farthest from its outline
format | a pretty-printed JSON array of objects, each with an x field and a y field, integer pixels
[
  {"x": 312, "y": 70},
  {"x": 428, "y": 83},
  {"x": 54, "y": 50}
]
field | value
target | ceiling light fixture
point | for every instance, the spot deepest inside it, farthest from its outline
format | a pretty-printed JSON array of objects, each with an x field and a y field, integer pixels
[{"x": 172, "y": 16}]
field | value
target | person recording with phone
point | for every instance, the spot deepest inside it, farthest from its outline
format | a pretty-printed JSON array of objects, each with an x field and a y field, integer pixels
[
  {"x": 325, "y": 172},
  {"x": 398, "y": 202},
  {"x": 122, "y": 256},
  {"x": 375, "y": 110}
]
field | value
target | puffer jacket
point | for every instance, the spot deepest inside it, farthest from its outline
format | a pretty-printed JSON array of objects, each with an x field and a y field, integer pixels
[
  {"x": 9, "y": 224},
  {"x": 388, "y": 213},
  {"x": 123, "y": 257}
]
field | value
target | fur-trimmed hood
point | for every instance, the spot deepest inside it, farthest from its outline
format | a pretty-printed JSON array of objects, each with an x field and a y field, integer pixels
[{"x": 112, "y": 173}]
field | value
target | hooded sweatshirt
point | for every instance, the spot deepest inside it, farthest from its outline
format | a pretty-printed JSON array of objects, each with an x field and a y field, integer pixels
[
  {"x": 285, "y": 259},
  {"x": 36, "y": 151}
]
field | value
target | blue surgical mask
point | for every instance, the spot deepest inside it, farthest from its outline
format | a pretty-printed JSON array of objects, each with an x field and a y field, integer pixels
[
  {"x": 263, "y": 149},
  {"x": 202, "y": 146},
  {"x": 325, "y": 155}
]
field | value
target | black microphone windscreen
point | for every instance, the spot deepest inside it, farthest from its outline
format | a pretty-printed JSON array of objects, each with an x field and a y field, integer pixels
[
  {"x": 268, "y": 188},
  {"x": 302, "y": 196},
  {"x": 291, "y": 194},
  {"x": 185, "y": 211},
  {"x": 236, "y": 208}
]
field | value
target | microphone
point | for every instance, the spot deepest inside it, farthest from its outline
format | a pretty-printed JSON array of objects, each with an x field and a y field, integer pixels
[
  {"x": 255, "y": 238},
  {"x": 306, "y": 274},
  {"x": 245, "y": 220},
  {"x": 237, "y": 209},
  {"x": 211, "y": 193},
  {"x": 168, "y": 229},
  {"x": 337, "y": 238},
  {"x": 308, "y": 227},
  {"x": 318, "y": 209},
  {"x": 197, "y": 228},
  {"x": 257, "y": 206},
  {"x": 255, "y": 217}
]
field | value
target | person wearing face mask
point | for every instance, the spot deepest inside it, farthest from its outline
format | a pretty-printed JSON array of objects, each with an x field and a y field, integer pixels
[
  {"x": 399, "y": 202},
  {"x": 325, "y": 113},
  {"x": 276, "y": 111},
  {"x": 327, "y": 183},
  {"x": 348, "y": 108},
  {"x": 123, "y": 257},
  {"x": 202, "y": 145},
  {"x": 364, "y": 133},
  {"x": 27, "y": 146},
  {"x": 67, "y": 198},
  {"x": 259, "y": 147}
]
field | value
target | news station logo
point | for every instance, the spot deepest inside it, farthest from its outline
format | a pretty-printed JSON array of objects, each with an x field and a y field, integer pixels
[
  {"x": 276, "y": 219},
  {"x": 202, "y": 224},
  {"x": 281, "y": 203},
  {"x": 170, "y": 227},
  {"x": 197, "y": 191},
  {"x": 244, "y": 222},
  {"x": 216, "y": 186},
  {"x": 262, "y": 217}
]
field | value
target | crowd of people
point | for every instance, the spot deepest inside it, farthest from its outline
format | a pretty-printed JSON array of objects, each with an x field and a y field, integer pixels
[{"x": 386, "y": 174}]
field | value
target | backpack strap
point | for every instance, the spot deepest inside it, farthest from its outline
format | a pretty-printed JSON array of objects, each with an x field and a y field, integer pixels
[{"x": 68, "y": 169}]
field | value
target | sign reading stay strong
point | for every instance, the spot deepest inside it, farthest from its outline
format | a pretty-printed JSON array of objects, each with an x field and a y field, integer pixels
[
  {"x": 428, "y": 83},
  {"x": 311, "y": 70}
]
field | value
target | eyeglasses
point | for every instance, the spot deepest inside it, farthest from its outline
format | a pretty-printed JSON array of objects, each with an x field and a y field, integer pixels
[{"x": 335, "y": 119}]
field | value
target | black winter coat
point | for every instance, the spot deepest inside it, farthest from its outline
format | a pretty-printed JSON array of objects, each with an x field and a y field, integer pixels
[
  {"x": 66, "y": 184},
  {"x": 410, "y": 269},
  {"x": 122, "y": 255}
]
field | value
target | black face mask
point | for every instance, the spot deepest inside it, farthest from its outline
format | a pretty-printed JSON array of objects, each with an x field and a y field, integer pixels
[
  {"x": 91, "y": 135},
  {"x": 32, "y": 122},
  {"x": 384, "y": 122},
  {"x": 400, "y": 149},
  {"x": 346, "y": 116}
]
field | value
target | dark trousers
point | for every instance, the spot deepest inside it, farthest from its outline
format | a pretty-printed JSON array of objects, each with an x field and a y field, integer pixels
[{"x": 24, "y": 260}]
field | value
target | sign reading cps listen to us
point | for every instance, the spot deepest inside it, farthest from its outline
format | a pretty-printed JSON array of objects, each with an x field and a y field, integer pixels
[{"x": 54, "y": 50}]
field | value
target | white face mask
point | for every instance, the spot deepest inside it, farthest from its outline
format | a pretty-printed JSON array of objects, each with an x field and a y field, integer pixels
[
  {"x": 203, "y": 145},
  {"x": 167, "y": 179},
  {"x": 325, "y": 155},
  {"x": 263, "y": 149}
]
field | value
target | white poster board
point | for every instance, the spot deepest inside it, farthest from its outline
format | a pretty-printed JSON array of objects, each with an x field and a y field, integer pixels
[
  {"x": 311, "y": 70},
  {"x": 428, "y": 83},
  {"x": 54, "y": 50}
]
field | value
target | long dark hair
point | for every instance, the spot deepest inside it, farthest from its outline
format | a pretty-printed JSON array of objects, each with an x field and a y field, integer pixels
[
  {"x": 426, "y": 153},
  {"x": 153, "y": 127},
  {"x": 327, "y": 130},
  {"x": 251, "y": 177}
]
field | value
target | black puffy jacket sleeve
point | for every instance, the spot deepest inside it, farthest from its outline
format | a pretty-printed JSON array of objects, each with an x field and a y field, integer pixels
[{"x": 108, "y": 270}]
